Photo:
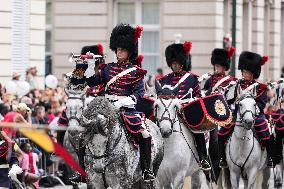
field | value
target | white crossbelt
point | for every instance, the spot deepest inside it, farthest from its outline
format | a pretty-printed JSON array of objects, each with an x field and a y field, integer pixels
[
  {"x": 114, "y": 97},
  {"x": 220, "y": 82},
  {"x": 3, "y": 166},
  {"x": 112, "y": 80}
]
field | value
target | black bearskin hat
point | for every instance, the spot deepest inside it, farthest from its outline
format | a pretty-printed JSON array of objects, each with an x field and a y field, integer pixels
[
  {"x": 77, "y": 79},
  {"x": 179, "y": 53},
  {"x": 126, "y": 37},
  {"x": 95, "y": 49},
  {"x": 252, "y": 62},
  {"x": 222, "y": 57}
]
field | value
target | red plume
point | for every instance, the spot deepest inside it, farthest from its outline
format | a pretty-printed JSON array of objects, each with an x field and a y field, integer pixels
[
  {"x": 139, "y": 60},
  {"x": 264, "y": 60},
  {"x": 138, "y": 33},
  {"x": 100, "y": 48},
  {"x": 187, "y": 47},
  {"x": 231, "y": 51}
]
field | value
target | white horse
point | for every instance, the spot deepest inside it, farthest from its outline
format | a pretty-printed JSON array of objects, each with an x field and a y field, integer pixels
[
  {"x": 243, "y": 152},
  {"x": 179, "y": 148}
]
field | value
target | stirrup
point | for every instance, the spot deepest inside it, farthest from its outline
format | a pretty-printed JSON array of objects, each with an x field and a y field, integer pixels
[
  {"x": 223, "y": 163},
  {"x": 204, "y": 165},
  {"x": 148, "y": 176}
]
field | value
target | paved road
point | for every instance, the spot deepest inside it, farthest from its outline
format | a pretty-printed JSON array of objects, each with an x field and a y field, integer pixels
[{"x": 204, "y": 186}]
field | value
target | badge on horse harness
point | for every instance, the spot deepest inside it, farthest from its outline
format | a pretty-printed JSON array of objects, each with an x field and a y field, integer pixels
[{"x": 220, "y": 107}]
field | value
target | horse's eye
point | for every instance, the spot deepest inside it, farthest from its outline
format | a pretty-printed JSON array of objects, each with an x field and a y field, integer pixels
[{"x": 240, "y": 104}]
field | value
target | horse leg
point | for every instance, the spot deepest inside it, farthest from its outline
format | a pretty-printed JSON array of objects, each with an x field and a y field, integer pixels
[
  {"x": 252, "y": 175},
  {"x": 196, "y": 180},
  {"x": 235, "y": 178},
  {"x": 179, "y": 180},
  {"x": 266, "y": 176},
  {"x": 278, "y": 176}
]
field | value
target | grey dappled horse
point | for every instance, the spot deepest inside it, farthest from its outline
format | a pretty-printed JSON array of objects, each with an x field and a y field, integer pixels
[
  {"x": 243, "y": 152},
  {"x": 111, "y": 158}
]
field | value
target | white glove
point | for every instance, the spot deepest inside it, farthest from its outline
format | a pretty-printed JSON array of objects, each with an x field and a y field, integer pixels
[
  {"x": 14, "y": 171},
  {"x": 125, "y": 102},
  {"x": 90, "y": 71}
]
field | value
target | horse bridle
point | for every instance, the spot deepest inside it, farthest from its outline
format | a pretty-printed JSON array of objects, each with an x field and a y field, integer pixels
[
  {"x": 242, "y": 114},
  {"x": 76, "y": 98},
  {"x": 164, "y": 118}
]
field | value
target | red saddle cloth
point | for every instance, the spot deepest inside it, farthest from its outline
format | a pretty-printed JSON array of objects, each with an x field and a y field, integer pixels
[{"x": 206, "y": 113}]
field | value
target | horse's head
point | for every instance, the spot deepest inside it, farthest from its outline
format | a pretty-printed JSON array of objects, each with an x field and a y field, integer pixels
[
  {"x": 74, "y": 104},
  {"x": 100, "y": 116},
  {"x": 166, "y": 106},
  {"x": 247, "y": 108}
]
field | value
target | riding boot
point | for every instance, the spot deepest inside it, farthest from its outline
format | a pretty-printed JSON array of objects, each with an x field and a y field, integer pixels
[
  {"x": 223, "y": 163},
  {"x": 202, "y": 152},
  {"x": 278, "y": 149},
  {"x": 270, "y": 155},
  {"x": 76, "y": 178},
  {"x": 145, "y": 159}
]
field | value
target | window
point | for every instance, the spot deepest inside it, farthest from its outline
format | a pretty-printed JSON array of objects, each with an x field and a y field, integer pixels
[
  {"x": 48, "y": 38},
  {"x": 147, "y": 14}
]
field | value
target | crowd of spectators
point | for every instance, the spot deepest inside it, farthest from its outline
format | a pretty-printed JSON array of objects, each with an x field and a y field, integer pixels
[{"x": 38, "y": 106}]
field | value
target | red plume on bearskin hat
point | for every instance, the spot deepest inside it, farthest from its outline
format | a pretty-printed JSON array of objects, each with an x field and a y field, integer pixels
[
  {"x": 179, "y": 53},
  {"x": 252, "y": 62},
  {"x": 222, "y": 57}
]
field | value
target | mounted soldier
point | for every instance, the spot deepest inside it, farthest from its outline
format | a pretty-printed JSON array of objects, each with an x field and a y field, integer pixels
[
  {"x": 217, "y": 84},
  {"x": 250, "y": 65},
  {"x": 179, "y": 60},
  {"x": 76, "y": 83},
  {"x": 124, "y": 87}
]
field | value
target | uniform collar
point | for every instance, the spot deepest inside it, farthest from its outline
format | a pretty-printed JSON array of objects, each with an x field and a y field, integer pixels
[{"x": 176, "y": 74}]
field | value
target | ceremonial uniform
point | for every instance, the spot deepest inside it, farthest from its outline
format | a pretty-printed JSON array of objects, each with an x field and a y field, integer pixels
[
  {"x": 76, "y": 81},
  {"x": 124, "y": 87},
  {"x": 216, "y": 84},
  {"x": 278, "y": 121},
  {"x": 251, "y": 62},
  {"x": 180, "y": 53}
]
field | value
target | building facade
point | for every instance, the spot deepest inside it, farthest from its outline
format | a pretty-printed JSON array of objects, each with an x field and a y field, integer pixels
[
  {"x": 44, "y": 32},
  {"x": 22, "y": 38}
]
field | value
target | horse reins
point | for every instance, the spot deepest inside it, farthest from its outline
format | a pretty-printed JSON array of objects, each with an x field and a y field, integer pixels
[
  {"x": 164, "y": 118},
  {"x": 241, "y": 120},
  {"x": 173, "y": 121}
]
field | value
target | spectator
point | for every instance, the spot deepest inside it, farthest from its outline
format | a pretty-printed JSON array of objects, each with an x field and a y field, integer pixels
[
  {"x": 29, "y": 165},
  {"x": 4, "y": 109},
  {"x": 39, "y": 117},
  {"x": 31, "y": 73},
  {"x": 21, "y": 115},
  {"x": 16, "y": 76}
]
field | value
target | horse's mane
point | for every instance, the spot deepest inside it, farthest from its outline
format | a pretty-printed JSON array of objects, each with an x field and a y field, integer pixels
[{"x": 101, "y": 105}]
